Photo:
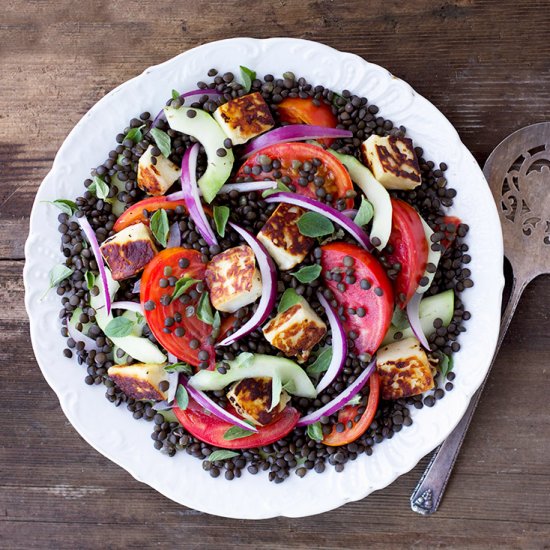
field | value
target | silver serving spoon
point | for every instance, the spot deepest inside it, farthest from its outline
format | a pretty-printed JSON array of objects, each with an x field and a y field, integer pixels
[{"x": 518, "y": 172}]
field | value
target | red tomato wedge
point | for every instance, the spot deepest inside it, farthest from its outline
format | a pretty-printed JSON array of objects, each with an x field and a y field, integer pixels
[
  {"x": 410, "y": 249},
  {"x": 450, "y": 236},
  {"x": 292, "y": 156},
  {"x": 371, "y": 327},
  {"x": 296, "y": 110},
  {"x": 134, "y": 214},
  {"x": 348, "y": 414},
  {"x": 194, "y": 328},
  {"x": 211, "y": 429}
]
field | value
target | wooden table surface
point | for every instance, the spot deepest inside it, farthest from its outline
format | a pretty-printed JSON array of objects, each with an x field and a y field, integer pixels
[{"x": 485, "y": 64}]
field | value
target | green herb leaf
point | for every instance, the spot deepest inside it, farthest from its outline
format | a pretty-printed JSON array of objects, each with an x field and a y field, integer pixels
[
  {"x": 288, "y": 299},
  {"x": 159, "y": 226},
  {"x": 221, "y": 215},
  {"x": 182, "y": 285},
  {"x": 308, "y": 273},
  {"x": 99, "y": 188},
  {"x": 355, "y": 400},
  {"x": 163, "y": 141},
  {"x": 204, "y": 309},
  {"x": 66, "y": 206},
  {"x": 90, "y": 280},
  {"x": 320, "y": 364},
  {"x": 119, "y": 327},
  {"x": 365, "y": 213},
  {"x": 182, "y": 397},
  {"x": 179, "y": 367},
  {"x": 315, "y": 431},
  {"x": 58, "y": 273},
  {"x": 247, "y": 77},
  {"x": 312, "y": 224},
  {"x": 222, "y": 454},
  {"x": 175, "y": 94},
  {"x": 446, "y": 364},
  {"x": 135, "y": 134},
  {"x": 236, "y": 432},
  {"x": 216, "y": 324},
  {"x": 280, "y": 187}
]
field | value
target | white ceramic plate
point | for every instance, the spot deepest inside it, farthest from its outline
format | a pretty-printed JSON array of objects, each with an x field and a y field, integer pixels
[{"x": 113, "y": 431}]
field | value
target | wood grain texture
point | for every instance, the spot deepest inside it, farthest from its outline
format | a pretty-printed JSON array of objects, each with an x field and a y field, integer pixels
[{"x": 485, "y": 64}]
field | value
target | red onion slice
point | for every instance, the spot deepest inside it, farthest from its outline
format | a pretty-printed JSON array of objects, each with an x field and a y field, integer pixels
[
  {"x": 204, "y": 401},
  {"x": 77, "y": 336},
  {"x": 162, "y": 406},
  {"x": 331, "y": 213},
  {"x": 242, "y": 187},
  {"x": 174, "y": 236},
  {"x": 341, "y": 400},
  {"x": 293, "y": 132},
  {"x": 350, "y": 213},
  {"x": 339, "y": 345},
  {"x": 269, "y": 284},
  {"x": 188, "y": 96},
  {"x": 90, "y": 235},
  {"x": 413, "y": 314},
  {"x": 129, "y": 306},
  {"x": 191, "y": 196}
]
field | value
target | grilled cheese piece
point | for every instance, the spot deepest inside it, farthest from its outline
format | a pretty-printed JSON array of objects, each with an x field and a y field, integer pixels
[
  {"x": 233, "y": 279},
  {"x": 140, "y": 380},
  {"x": 244, "y": 118},
  {"x": 282, "y": 238},
  {"x": 156, "y": 179},
  {"x": 393, "y": 161},
  {"x": 404, "y": 369},
  {"x": 296, "y": 330},
  {"x": 129, "y": 251}
]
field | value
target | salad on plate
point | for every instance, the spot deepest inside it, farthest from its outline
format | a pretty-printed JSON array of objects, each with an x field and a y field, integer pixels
[{"x": 265, "y": 271}]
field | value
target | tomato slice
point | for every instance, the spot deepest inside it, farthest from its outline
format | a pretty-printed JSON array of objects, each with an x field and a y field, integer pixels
[
  {"x": 410, "y": 250},
  {"x": 194, "y": 328},
  {"x": 211, "y": 429},
  {"x": 134, "y": 214},
  {"x": 336, "y": 178},
  {"x": 348, "y": 414},
  {"x": 373, "y": 299},
  {"x": 450, "y": 236},
  {"x": 297, "y": 110}
]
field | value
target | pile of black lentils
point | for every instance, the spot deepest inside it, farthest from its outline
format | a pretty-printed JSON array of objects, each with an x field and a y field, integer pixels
[{"x": 296, "y": 452}]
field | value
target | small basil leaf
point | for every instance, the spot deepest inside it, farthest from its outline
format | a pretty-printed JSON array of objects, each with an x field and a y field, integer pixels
[
  {"x": 365, "y": 213},
  {"x": 320, "y": 364},
  {"x": 182, "y": 285},
  {"x": 159, "y": 226},
  {"x": 204, "y": 309},
  {"x": 312, "y": 224},
  {"x": 288, "y": 299},
  {"x": 446, "y": 364},
  {"x": 66, "y": 206},
  {"x": 175, "y": 94},
  {"x": 135, "y": 134},
  {"x": 355, "y": 400},
  {"x": 236, "y": 432},
  {"x": 182, "y": 397},
  {"x": 221, "y": 455},
  {"x": 308, "y": 273},
  {"x": 119, "y": 327},
  {"x": 216, "y": 324},
  {"x": 58, "y": 273},
  {"x": 99, "y": 188},
  {"x": 90, "y": 280},
  {"x": 163, "y": 141},
  {"x": 280, "y": 187},
  {"x": 179, "y": 367},
  {"x": 247, "y": 77},
  {"x": 221, "y": 215},
  {"x": 315, "y": 431}
]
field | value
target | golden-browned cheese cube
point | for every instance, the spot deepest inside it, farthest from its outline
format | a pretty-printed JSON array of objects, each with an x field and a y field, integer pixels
[
  {"x": 129, "y": 251},
  {"x": 245, "y": 117},
  {"x": 233, "y": 279},
  {"x": 251, "y": 398},
  {"x": 140, "y": 380},
  {"x": 296, "y": 330},
  {"x": 282, "y": 238},
  {"x": 156, "y": 179},
  {"x": 404, "y": 369},
  {"x": 393, "y": 161}
]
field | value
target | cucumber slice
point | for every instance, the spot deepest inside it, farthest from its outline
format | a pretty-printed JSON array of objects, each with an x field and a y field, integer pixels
[
  {"x": 293, "y": 378},
  {"x": 375, "y": 192},
  {"x": 440, "y": 306},
  {"x": 74, "y": 321},
  {"x": 117, "y": 207},
  {"x": 433, "y": 257},
  {"x": 141, "y": 349},
  {"x": 208, "y": 132}
]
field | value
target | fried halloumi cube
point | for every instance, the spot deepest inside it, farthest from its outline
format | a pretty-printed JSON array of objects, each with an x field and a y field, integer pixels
[
  {"x": 296, "y": 330},
  {"x": 251, "y": 398},
  {"x": 404, "y": 369},
  {"x": 393, "y": 161},
  {"x": 129, "y": 251},
  {"x": 140, "y": 380},
  {"x": 233, "y": 279},
  {"x": 282, "y": 238},
  {"x": 244, "y": 117},
  {"x": 156, "y": 179}
]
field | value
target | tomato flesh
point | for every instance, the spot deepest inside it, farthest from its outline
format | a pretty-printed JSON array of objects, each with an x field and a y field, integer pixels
[
  {"x": 292, "y": 156},
  {"x": 297, "y": 110},
  {"x": 370, "y": 328},
  {"x": 134, "y": 214},
  {"x": 410, "y": 250},
  {"x": 211, "y": 429},
  {"x": 450, "y": 236},
  {"x": 348, "y": 414}
]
